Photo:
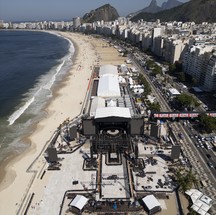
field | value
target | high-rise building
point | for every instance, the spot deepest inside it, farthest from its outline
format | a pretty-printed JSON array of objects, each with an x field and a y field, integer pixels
[
  {"x": 1, "y": 24},
  {"x": 76, "y": 22},
  {"x": 200, "y": 63}
]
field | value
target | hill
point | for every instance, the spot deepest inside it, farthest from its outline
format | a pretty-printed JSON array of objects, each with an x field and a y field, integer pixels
[
  {"x": 154, "y": 8},
  {"x": 170, "y": 4},
  {"x": 194, "y": 10},
  {"x": 105, "y": 12}
]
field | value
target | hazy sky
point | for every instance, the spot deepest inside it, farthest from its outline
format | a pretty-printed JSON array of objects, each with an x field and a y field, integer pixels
[{"x": 32, "y": 10}]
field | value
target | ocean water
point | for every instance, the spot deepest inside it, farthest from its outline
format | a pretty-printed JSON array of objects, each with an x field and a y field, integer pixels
[{"x": 32, "y": 64}]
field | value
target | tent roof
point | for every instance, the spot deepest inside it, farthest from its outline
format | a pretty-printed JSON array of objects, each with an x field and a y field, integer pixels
[
  {"x": 108, "y": 86},
  {"x": 108, "y": 69},
  {"x": 96, "y": 103},
  {"x": 201, "y": 203},
  {"x": 79, "y": 202},
  {"x": 174, "y": 91},
  {"x": 151, "y": 202},
  {"x": 111, "y": 103},
  {"x": 112, "y": 112},
  {"x": 206, "y": 199}
]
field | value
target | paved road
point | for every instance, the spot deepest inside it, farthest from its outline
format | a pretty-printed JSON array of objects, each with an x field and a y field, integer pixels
[{"x": 195, "y": 157}]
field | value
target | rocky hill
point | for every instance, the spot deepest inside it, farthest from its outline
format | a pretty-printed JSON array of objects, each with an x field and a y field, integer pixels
[
  {"x": 154, "y": 8},
  {"x": 170, "y": 4},
  {"x": 105, "y": 12},
  {"x": 194, "y": 10}
]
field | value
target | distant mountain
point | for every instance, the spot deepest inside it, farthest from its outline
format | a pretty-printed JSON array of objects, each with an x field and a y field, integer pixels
[
  {"x": 105, "y": 12},
  {"x": 194, "y": 10},
  {"x": 170, "y": 4},
  {"x": 154, "y": 8}
]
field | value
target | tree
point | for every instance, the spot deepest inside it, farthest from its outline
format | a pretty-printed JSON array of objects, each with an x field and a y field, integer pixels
[
  {"x": 156, "y": 70},
  {"x": 172, "y": 69},
  {"x": 185, "y": 179},
  {"x": 150, "y": 64},
  {"x": 181, "y": 76},
  {"x": 207, "y": 123},
  {"x": 155, "y": 107},
  {"x": 147, "y": 87},
  {"x": 186, "y": 101},
  {"x": 191, "y": 212}
]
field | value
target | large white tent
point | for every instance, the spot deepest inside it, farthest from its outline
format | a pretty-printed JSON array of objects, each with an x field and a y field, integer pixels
[
  {"x": 108, "y": 86},
  {"x": 108, "y": 70},
  {"x": 97, "y": 102},
  {"x": 173, "y": 92},
  {"x": 201, "y": 203},
  {"x": 112, "y": 112},
  {"x": 79, "y": 202},
  {"x": 152, "y": 204}
]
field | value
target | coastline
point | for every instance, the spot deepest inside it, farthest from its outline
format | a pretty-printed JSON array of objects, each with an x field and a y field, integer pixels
[
  {"x": 7, "y": 175},
  {"x": 66, "y": 102}
]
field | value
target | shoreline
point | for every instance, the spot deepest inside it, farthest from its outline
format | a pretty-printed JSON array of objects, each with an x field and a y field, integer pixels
[
  {"x": 7, "y": 175},
  {"x": 67, "y": 102}
]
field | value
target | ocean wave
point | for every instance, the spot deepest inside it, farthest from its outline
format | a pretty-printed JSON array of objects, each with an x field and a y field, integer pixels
[
  {"x": 45, "y": 82},
  {"x": 52, "y": 80},
  {"x": 20, "y": 111}
]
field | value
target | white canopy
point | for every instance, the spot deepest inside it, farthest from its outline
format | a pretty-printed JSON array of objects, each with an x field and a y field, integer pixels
[
  {"x": 108, "y": 86},
  {"x": 79, "y": 202},
  {"x": 96, "y": 103},
  {"x": 111, "y": 103},
  {"x": 112, "y": 112},
  {"x": 151, "y": 202},
  {"x": 174, "y": 92},
  {"x": 108, "y": 69},
  {"x": 201, "y": 203}
]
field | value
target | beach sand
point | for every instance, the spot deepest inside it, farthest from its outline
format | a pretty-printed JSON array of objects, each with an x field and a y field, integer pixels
[{"x": 23, "y": 172}]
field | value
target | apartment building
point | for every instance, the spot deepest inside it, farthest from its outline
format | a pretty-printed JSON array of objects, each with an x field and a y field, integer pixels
[
  {"x": 200, "y": 63},
  {"x": 173, "y": 49}
]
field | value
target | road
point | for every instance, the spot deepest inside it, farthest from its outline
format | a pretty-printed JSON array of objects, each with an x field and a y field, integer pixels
[{"x": 196, "y": 156}]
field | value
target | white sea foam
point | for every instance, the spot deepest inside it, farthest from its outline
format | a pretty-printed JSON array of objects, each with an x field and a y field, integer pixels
[
  {"x": 20, "y": 111},
  {"x": 52, "y": 80},
  {"x": 45, "y": 82}
]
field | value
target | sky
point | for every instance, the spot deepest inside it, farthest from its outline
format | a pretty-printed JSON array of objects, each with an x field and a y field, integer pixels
[{"x": 57, "y": 10}]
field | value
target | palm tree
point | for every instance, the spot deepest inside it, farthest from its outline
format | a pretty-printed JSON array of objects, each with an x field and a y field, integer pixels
[{"x": 186, "y": 179}]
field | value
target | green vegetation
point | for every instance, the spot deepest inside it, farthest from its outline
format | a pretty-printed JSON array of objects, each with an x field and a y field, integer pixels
[
  {"x": 155, "y": 107},
  {"x": 176, "y": 70},
  {"x": 191, "y": 212},
  {"x": 197, "y": 11},
  {"x": 186, "y": 179},
  {"x": 207, "y": 123},
  {"x": 147, "y": 87},
  {"x": 186, "y": 101},
  {"x": 150, "y": 64},
  {"x": 181, "y": 77}
]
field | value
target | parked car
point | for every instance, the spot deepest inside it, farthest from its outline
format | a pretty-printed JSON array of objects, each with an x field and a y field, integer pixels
[
  {"x": 210, "y": 164},
  {"x": 208, "y": 156}
]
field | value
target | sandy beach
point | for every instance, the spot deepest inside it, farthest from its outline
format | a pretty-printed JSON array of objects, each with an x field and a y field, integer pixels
[{"x": 23, "y": 172}]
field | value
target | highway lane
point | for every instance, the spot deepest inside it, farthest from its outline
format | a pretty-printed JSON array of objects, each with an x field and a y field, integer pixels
[{"x": 196, "y": 157}]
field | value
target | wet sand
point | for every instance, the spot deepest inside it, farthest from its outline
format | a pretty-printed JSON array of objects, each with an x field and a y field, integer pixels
[{"x": 22, "y": 170}]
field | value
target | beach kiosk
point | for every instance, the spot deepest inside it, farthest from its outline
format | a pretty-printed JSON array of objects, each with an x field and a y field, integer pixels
[
  {"x": 151, "y": 204},
  {"x": 77, "y": 204}
]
